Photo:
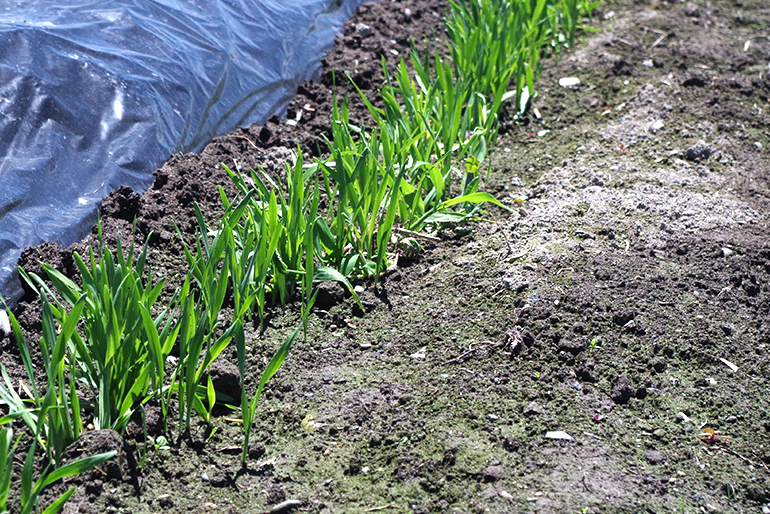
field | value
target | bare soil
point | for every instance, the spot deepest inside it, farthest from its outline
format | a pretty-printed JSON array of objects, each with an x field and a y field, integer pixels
[{"x": 626, "y": 303}]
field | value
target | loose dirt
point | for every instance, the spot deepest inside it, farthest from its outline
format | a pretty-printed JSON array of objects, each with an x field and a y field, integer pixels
[{"x": 625, "y": 305}]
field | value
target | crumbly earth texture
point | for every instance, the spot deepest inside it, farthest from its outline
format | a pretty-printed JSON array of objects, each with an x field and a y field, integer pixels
[{"x": 563, "y": 358}]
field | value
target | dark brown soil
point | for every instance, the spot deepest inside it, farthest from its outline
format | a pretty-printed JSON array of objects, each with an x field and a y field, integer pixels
[{"x": 615, "y": 306}]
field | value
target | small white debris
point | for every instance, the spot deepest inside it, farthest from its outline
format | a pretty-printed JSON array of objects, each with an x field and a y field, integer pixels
[
  {"x": 647, "y": 63},
  {"x": 286, "y": 507},
  {"x": 758, "y": 145},
  {"x": 543, "y": 132},
  {"x": 683, "y": 417},
  {"x": 726, "y": 252},
  {"x": 419, "y": 354},
  {"x": 359, "y": 289},
  {"x": 559, "y": 434},
  {"x": 712, "y": 382},
  {"x": 505, "y": 495},
  {"x": 656, "y": 126},
  {"x": 569, "y": 81},
  {"x": 729, "y": 364},
  {"x": 5, "y": 323},
  {"x": 365, "y": 469},
  {"x": 747, "y": 45},
  {"x": 205, "y": 477}
]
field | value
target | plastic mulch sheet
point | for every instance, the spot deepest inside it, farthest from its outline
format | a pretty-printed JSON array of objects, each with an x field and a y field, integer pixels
[{"x": 94, "y": 95}]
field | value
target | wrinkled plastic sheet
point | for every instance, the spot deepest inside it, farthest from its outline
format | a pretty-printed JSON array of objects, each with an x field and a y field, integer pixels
[{"x": 95, "y": 95}]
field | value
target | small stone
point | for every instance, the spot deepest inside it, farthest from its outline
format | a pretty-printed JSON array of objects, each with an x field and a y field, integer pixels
[
  {"x": 758, "y": 145},
  {"x": 363, "y": 30},
  {"x": 655, "y": 457},
  {"x": 493, "y": 472},
  {"x": 511, "y": 444},
  {"x": 756, "y": 493},
  {"x": 365, "y": 346},
  {"x": 658, "y": 364},
  {"x": 569, "y": 81},
  {"x": 700, "y": 151},
  {"x": 205, "y": 477},
  {"x": 532, "y": 409},
  {"x": 621, "y": 390},
  {"x": 359, "y": 289},
  {"x": 692, "y": 10},
  {"x": 286, "y": 507},
  {"x": 647, "y": 63},
  {"x": 694, "y": 81},
  {"x": 726, "y": 252},
  {"x": 622, "y": 318},
  {"x": 573, "y": 346},
  {"x": 657, "y": 126},
  {"x": 731, "y": 419},
  {"x": 407, "y": 14}
]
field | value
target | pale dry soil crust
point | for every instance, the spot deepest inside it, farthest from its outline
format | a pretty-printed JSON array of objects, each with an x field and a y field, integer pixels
[{"x": 626, "y": 302}]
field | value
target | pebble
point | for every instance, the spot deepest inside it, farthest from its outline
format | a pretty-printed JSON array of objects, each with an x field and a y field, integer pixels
[
  {"x": 726, "y": 252},
  {"x": 700, "y": 151},
  {"x": 758, "y": 145},
  {"x": 363, "y": 30},
  {"x": 657, "y": 126},
  {"x": 205, "y": 477},
  {"x": 647, "y": 63},
  {"x": 692, "y": 10},
  {"x": 532, "y": 408},
  {"x": 407, "y": 14},
  {"x": 359, "y": 289},
  {"x": 655, "y": 457},
  {"x": 285, "y": 507},
  {"x": 569, "y": 81},
  {"x": 493, "y": 472}
]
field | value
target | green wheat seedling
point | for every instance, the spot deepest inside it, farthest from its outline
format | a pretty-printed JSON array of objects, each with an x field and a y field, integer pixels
[
  {"x": 198, "y": 347},
  {"x": 495, "y": 42},
  {"x": 114, "y": 358},
  {"x": 54, "y": 418},
  {"x": 274, "y": 224},
  {"x": 30, "y": 491},
  {"x": 249, "y": 406},
  {"x": 49, "y": 421},
  {"x": 361, "y": 180}
]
